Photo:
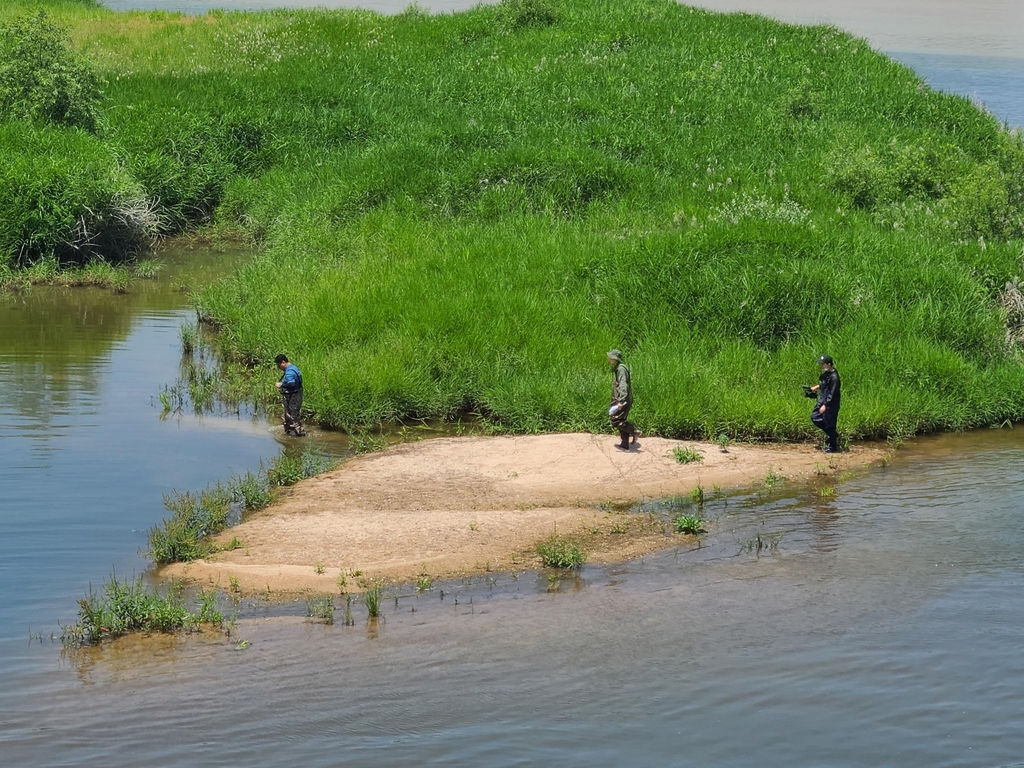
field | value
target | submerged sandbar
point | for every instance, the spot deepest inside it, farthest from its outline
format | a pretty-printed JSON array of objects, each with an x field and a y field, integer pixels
[{"x": 455, "y": 506}]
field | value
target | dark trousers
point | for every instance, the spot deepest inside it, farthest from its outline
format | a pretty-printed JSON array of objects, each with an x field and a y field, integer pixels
[
  {"x": 621, "y": 422},
  {"x": 293, "y": 413},
  {"x": 826, "y": 422}
]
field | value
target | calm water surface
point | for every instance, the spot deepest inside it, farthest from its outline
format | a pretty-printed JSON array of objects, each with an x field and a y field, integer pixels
[{"x": 887, "y": 630}]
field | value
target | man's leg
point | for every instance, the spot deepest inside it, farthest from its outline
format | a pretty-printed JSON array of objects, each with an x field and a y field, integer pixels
[
  {"x": 285, "y": 419},
  {"x": 297, "y": 414},
  {"x": 625, "y": 428},
  {"x": 292, "y": 411},
  {"x": 833, "y": 435},
  {"x": 818, "y": 420}
]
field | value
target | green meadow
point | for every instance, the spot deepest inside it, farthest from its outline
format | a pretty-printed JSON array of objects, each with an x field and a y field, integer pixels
[{"x": 460, "y": 214}]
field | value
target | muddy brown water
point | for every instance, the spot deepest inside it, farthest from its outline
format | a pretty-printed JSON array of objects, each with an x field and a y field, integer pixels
[{"x": 886, "y": 629}]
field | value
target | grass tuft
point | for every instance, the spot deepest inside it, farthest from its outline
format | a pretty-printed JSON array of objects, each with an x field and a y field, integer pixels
[
  {"x": 690, "y": 524},
  {"x": 126, "y": 606},
  {"x": 561, "y": 552},
  {"x": 684, "y": 455}
]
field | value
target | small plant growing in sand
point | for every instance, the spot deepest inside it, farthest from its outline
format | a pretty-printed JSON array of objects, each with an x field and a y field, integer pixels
[
  {"x": 686, "y": 455},
  {"x": 689, "y": 524},
  {"x": 233, "y": 585},
  {"x": 723, "y": 443},
  {"x": 560, "y": 552},
  {"x": 773, "y": 478},
  {"x": 372, "y": 597},
  {"x": 319, "y": 568},
  {"x": 321, "y": 607},
  {"x": 697, "y": 495},
  {"x": 472, "y": 525},
  {"x": 342, "y": 583},
  {"x": 424, "y": 584},
  {"x": 235, "y": 543}
]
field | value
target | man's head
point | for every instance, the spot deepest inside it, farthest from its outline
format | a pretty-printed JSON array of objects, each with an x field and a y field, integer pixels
[
  {"x": 282, "y": 361},
  {"x": 825, "y": 361},
  {"x": 614, "y": 357}
]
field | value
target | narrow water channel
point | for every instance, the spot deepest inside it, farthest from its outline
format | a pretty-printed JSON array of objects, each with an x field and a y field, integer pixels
[
  {"x": 886, "y": 629},
  {"x": 84, "y": 455}
]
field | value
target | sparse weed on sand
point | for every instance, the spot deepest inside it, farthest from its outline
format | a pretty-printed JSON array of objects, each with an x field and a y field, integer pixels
[{"x": 686, "y": 455}]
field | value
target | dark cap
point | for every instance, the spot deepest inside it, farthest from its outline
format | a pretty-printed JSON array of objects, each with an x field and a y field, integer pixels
[{"x": 825, "y": 359}]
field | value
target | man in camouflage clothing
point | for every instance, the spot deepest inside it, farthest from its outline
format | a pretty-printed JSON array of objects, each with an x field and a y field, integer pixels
[{"x": 622, "y": 401}]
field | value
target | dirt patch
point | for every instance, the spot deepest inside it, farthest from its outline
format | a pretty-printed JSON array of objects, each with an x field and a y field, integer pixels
[{"x": 453, "y": 506}]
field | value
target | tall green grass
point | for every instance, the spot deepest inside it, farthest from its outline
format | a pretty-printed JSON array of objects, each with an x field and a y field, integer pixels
[{"x": 462, "y": 213}]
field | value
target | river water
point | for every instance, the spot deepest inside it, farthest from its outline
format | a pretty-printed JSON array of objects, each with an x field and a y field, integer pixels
[{"x": 885, "y": 629}]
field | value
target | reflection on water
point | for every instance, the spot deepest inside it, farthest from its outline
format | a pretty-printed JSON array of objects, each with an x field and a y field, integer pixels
[{"x": 885, "y": 631}]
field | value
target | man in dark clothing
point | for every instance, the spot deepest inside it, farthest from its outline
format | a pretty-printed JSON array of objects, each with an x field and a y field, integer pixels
[
  {"x": 826, "y": 408},
  {"x": 622, "y": 401},
  {"x": 291, "y": 390}
]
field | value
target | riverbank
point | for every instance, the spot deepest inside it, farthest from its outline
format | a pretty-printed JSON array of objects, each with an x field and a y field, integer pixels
[{"x": 455, "y": 506}]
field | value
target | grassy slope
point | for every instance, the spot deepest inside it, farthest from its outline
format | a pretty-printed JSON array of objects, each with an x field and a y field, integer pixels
[{"x": 463, "y": 212}]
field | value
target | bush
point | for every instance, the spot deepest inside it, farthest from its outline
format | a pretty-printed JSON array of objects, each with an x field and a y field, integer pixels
[{"x": 42, "y": 79}]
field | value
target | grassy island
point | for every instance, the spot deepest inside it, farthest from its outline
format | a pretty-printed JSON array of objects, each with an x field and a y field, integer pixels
[{"x": 462, "y": 213}]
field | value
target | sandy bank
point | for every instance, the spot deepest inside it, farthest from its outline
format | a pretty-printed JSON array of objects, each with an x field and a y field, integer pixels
[{"x": 452, "y": 506}]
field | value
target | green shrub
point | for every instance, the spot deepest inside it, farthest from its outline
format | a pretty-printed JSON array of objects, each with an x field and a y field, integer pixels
[{"x": 42, "y": 79}]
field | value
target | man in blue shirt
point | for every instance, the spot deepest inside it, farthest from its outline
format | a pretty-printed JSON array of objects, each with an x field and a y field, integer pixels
[{"x": 291, "y": 390}]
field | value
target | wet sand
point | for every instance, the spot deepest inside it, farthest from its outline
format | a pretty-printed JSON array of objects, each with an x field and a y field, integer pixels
[{"x": 456, "y": 506}]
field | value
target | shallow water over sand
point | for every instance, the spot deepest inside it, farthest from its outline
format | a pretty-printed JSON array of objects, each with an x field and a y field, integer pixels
[{"x": 885, "y": 630}]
